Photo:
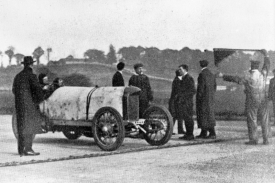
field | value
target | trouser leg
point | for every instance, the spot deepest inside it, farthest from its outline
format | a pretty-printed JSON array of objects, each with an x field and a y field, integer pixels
[
  {"x": 20, "y": 143},
  {"x": 273, "y": 111},
  {"x": 264, "y": 120},
  {"x": 188, "y": 119},
  {"x": 180, "y": 126},
  {"x": 252, "y": 122},
  {"x": 20, "y": 139},
  {"x": 174, "y": 121},
  {"x": 189, "y": 125},
  {"x": 212, "y": 131},
  {"x": 203, "y": 132},
  {"x": 28, "y": 142}
]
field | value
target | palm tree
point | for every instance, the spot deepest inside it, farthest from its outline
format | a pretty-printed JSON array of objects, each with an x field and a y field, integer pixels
[
  {"x": 19, "y": 57},
  {"x": 37, "y": 53},
  {"x": 49, "y": 50},
  {"x": 10, "y": 53}
]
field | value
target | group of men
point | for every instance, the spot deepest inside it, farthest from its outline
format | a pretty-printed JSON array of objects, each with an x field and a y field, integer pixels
[
  {"x": 256, "y": 104},
  {"x": 28, "y": 94},
  {"x": 139, "y": 80},
  {"x": 181, "y": 102},
  {"x": 183, "y": 90}
]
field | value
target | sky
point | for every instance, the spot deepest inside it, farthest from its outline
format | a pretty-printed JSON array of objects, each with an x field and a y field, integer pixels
[{"x": 70, "y": 27}]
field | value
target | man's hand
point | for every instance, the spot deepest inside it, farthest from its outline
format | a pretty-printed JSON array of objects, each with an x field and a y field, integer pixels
[
  {"x": 219, "y": 75},
  {"x": 46, "y": 87}
]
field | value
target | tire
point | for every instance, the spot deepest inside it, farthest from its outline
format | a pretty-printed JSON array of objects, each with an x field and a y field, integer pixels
[
  {"x": 88, "y": 134},
  {"x": 72, "y": 133},
  {"x": 108, "y": 129},
  {"x": 158, "y": 125},
  {"x": 14, "y": 126}
]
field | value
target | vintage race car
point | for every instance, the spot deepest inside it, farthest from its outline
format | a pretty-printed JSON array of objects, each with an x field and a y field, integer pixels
[{"x": 108, "y": 114}]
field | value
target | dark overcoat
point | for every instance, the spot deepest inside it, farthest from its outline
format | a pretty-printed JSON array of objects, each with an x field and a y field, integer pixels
[
  {"x": 142, "y": 81},
  {"x": 184, "y": 100},
  {"x": 205, "y": 99},
  {"x": 118, "y": 79},
  {"x": 271, "y": 90},
  {"x": 28, "y": 94},
  {"x": 176, "y": 84}
]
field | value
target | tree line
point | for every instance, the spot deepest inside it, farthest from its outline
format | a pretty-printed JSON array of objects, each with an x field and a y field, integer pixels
[
  {"x": 155, "y": 60},
  {"x": 37, "y": 53}
]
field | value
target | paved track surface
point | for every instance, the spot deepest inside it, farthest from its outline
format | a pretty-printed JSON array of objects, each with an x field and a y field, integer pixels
[{"x": 225, "y": 159}]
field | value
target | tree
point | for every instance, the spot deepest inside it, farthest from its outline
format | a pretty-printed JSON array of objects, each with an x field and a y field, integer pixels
[
  {"x": 76, "y": 79},
  {"x": 95, "y": 55},
  {"x": 49, "y": 50},
  {"x": 111, "y": 56},
  {"x": 10, "y": 53},
  {"x": 19, "y": 57},
  {"x": 69, "y": 57},
  {"x": 37, "y": 53},
  {"x": 1, "y": 54}
]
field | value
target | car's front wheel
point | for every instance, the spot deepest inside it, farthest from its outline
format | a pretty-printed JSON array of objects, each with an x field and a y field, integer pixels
[
  {"x": 158, "y": 125},
  {"x": 108, "y": 129}
]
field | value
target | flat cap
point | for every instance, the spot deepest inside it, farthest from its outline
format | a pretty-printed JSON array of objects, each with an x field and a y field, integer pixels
[{"x": 138, "y": 65}]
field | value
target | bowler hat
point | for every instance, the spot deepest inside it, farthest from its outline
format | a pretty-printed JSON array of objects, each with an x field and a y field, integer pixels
[
  {"x": 27, "y": 60},
  {"x": 255, "y": 64},
  {"x": 138, "y": 65}
]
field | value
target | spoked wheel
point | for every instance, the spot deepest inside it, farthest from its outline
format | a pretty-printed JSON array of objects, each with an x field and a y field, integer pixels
[
  {"x": 108, "y": 129},
  {"x": 14, "y": 126},
  {"x": 158, "y": 125},
  {"x": 72, "y": 133}
]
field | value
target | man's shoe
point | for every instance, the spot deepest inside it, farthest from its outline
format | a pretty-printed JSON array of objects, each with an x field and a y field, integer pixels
[
  {"x": 201, "y": 136},
  {"x": 187, "y": 137},
  {"x": 173, "y": 133},
  {"x": 251, "y": 142},
  {"x": 183, "y": 132},
  {"x": 211, "y": 137},
  {"x": 31, "y": 153},
  {"x": 266, "y": 142}
]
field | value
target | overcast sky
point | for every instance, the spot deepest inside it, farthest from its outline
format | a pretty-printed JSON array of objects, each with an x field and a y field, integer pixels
[{"x": 73, "y": 26}]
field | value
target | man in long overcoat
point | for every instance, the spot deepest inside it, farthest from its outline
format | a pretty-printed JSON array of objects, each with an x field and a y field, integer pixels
[
  {"x": 118, "y": 78},
  {"x": 256, "y": 99},
  {"x": 28, "y": 94},
  {"x": 142, "y": 81},
  {"x": 173, "y": 107},
  {"x": 271, "y": 92},
  {"x": 184, "y": 102},
  {"x": 205, "y": 102}
]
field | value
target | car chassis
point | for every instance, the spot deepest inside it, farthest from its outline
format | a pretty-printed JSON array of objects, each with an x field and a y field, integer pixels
[{"x": 108, "y": 114}]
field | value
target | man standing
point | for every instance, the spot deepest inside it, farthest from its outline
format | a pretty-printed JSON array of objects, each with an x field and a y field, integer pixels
[
  {"x": 28, "y": 94},
  {"x": 205, "y": 102},
  {"x": 173, "y": 108},
  {"x": 184, "y": 102},
  {"x": 256, "y": 99},
  {"x": 118, "y": 78},
  {"x": 271, "y": 92},
  {"x": 142, "y": 81}
]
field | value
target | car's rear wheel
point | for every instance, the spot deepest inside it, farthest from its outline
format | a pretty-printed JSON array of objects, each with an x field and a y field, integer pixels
[
  {"x": 158, "y": 125},
  {"x": 108, "y": 129},
  {"x": 72, "y": 133}
]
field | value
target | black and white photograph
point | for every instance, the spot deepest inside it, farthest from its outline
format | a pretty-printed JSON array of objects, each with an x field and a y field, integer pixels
[{"x": 137, "y": 91}]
